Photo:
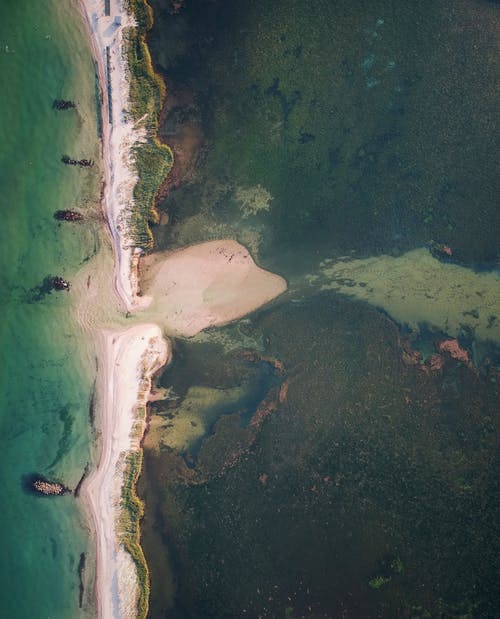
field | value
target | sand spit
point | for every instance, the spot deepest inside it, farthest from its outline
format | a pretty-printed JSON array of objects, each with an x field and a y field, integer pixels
[
  {"x": 194, "y": 288},
  {"x": 417, "y": 288},
  {"x": 129, "y": 359},
  {"x": 119, "y": 135},
  {"x": 207, "y": 285}
]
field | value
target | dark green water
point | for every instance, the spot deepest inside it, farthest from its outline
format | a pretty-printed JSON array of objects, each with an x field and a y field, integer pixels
[
  {"x": 371, "y": 125},
  {"x": 371, "y": 490},
  {"x": 46, "y": 367}
]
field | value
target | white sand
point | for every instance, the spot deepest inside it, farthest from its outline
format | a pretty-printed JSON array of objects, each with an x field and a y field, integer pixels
[
  {"x": 207, "y": 285},
  {"x": 128, "y": 360},
  {"x": 118, "y": 139}
]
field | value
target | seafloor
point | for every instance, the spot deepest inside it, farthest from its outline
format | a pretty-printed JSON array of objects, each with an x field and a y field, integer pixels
[{"x": 302, "y": 465}]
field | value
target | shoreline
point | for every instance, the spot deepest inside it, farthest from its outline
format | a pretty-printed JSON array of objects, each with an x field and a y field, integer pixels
[
  {"x": 117, "y": 141},
  {"x": 220, "y": 283},
  {"x": 128, "y": 357},
  {"x": 129, "y": 360}
]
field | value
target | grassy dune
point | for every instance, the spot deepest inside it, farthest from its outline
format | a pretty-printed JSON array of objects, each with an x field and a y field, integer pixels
[
  {"x": 129, "y": 528},
  {"x": 153, "y": 159}
]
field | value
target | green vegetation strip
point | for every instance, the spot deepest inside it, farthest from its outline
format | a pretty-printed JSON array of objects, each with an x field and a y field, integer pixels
[
  {"x": 153, "y": 159},
  {"x": 131, "y": 513}
]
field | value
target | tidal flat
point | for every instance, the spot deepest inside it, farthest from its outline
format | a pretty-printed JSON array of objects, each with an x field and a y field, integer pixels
[{"x": 300, "y": 466}]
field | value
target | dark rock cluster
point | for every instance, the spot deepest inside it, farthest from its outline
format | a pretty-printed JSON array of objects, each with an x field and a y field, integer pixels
[
  {"x": 82, "y": 163},
  {"x": 50, "y": 283},
  {"x": 61, "y": 105},
  {"x": 68, "y": 216},
  {"x": 58, "y": 283},
  {"x": 38, "y": 484}
]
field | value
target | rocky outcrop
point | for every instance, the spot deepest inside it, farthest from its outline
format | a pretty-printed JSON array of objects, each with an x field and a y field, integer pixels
[
  {"x": 81, "y": 577},
  {"x": 48, "y": 488},
  {"x": 454, "y": 350},
  {"x": 50, "y": 283},
  {"x": 38, "y": 484},
  {"x": 58, "y": 283}
]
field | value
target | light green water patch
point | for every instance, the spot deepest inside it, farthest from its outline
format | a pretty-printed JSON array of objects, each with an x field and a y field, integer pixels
[
  {"x": 194, "y": 418},
  {"x": 47, "y": 359},
  {"x": 417, "y": 288},
  {"x": 232, "y": 337}
]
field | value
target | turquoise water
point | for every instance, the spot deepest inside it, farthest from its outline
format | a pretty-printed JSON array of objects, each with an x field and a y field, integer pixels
[{"x": 46, "y": 361}]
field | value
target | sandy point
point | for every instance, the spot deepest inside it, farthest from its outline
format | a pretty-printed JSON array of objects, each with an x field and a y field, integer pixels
[{"x": 205, "y": 285}]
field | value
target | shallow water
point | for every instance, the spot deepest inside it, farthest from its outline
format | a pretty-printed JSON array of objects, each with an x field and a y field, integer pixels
[
  {"x": 46, "y": 361},
  {"x": 320, "y": 131}
]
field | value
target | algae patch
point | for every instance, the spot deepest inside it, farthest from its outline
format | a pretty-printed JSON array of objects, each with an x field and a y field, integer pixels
[
  {"x": 194, "y": 418},
  {"x": 417, "y": 288},
  {"x": 253, "y": 200}
]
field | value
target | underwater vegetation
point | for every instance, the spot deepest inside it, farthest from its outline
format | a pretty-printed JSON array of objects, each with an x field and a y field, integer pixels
[
  {"x": 370, "y": 489},
  {"x": 316, "y": 135},
  {"x": 371, "y": 134}
]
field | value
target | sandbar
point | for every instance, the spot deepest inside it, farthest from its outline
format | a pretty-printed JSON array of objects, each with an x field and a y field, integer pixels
[{"x": 206, "y": 285}]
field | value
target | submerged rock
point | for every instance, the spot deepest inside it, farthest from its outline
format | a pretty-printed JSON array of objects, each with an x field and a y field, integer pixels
[
  {"x": 68, "y": 216},
  {"x": 58, "y": 283},
  {"x": 50, "y": 283},
  {"x": 81, "y": 576},
  {"x": 62, "y": 104},
  {"x": 453, "y": 348}
]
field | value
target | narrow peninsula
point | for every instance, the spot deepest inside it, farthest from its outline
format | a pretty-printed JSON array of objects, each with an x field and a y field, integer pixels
[{"x": 218, "y": 282}]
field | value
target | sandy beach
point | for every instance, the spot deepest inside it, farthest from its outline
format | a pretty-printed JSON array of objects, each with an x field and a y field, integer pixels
[
  {"x": 129, "y": 359},
  {"x": 119, "y": 135}
]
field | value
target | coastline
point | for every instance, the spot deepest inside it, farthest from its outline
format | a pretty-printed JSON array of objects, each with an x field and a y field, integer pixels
[
  {"x": 129, "y": 359},
  {"x": 332, "y": 352},
  {"x": 118, "y": 140}
]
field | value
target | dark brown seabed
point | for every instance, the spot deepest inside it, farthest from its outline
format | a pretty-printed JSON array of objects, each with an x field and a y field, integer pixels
[{"x": 371, "y": 489}]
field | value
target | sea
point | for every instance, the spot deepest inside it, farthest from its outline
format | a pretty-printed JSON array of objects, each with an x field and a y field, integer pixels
[
  {"x": 364, "y": 484},
  {"x": 47, "y": 364},
  {"x": 323, "y": 469}
]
